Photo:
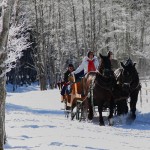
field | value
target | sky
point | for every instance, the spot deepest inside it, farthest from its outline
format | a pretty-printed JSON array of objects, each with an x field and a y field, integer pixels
[{"x": 35, "y": 120}]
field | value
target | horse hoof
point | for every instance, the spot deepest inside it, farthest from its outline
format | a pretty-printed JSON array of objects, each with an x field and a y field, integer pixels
[
  {"x": 90, "y": 117},
  {"x": 133, "y": 117},
  {"x": 72, "y": 116},
  {"x": 130, "y": 119},
  {"x": 102, "y": 124}
]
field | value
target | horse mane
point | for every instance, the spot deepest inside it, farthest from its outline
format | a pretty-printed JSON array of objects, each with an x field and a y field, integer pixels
[{"x": 101, "y": 68}]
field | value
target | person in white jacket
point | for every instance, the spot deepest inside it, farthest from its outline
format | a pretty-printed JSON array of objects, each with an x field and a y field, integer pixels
[{"x": 89, "y": 63}]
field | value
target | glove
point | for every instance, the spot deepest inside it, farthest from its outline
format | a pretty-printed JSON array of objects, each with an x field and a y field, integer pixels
[{"x": 65, "y": 84}]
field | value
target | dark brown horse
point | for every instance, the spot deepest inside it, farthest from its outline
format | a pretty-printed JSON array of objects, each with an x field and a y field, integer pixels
[
  {"x": 99, "y": 89},
  {"x": 128, "y": 75}
]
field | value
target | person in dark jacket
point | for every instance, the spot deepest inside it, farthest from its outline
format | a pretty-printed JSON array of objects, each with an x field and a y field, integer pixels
[{"x": 66, "y": 82}]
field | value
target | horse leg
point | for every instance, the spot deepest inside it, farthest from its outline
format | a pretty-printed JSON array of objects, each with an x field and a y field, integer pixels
[
  {"x": 133, "y": 101},
  {"x": 119, "y": 109},
  {"x": 90, "y": 115},
  {"x": 101, "y": 121},
  {"x": 122, "y": 107},
  {"x": 111, "y": 110},
  {"x": 125, "y": 107}
]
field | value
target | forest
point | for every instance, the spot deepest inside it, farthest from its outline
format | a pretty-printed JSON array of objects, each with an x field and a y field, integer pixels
[{"x": 63, "y": 31}]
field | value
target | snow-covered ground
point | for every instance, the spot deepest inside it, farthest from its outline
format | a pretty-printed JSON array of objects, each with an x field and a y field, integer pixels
[{"x": 35, "y": 121}]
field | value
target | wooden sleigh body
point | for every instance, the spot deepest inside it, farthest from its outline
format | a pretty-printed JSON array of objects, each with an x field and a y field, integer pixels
[{"x": 74, "y": 99}]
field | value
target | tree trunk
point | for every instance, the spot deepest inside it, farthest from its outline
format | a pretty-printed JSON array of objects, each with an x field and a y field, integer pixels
[
  {"x": 75, "y": 30},
  {"x": 2, "y": 112},
  {"x": 84, "y": 29},
  {"x": 2, "y": 102},
  {"x": 94, "y": 28},
  {"x": 40, "y": 60},
  {"x": 3, "y": 42},
  {"x": 91, "y": 24},
  {"x": 42, "y": 77},
  {"x": 142, "y": 35}
]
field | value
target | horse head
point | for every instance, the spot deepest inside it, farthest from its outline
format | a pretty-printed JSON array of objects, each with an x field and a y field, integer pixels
[
  {"x": 105, "y": 65},
  {"x": 128, "y": 66},
  {"x": 128, "y": 72}
]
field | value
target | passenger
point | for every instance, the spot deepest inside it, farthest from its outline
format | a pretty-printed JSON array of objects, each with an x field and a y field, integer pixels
[
  {"x": 89, "y": 63},
  {"x": 66, "y": 82}
]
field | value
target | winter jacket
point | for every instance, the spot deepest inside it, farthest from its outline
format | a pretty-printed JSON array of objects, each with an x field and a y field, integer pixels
[
  {"x": 84, "y": 65},
  {"x": 66, "y": 74}
]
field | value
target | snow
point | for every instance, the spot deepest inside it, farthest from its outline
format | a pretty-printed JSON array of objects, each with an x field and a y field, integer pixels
[{"x": 35, "y": 120}]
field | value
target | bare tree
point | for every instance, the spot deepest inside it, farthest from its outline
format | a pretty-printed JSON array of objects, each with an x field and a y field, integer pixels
[
  {"x": 67, "y": 29},
  {"x": 5, "y": 20}
]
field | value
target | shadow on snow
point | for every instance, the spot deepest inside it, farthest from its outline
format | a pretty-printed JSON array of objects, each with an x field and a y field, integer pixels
[{"x": 13, "y": 107}]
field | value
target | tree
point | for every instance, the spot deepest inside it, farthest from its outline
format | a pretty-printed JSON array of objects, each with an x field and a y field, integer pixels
[
  {"x": 67, "y": 29},
  {"x": 5, "y": 20},
  {"x": 11, "y": 45}
]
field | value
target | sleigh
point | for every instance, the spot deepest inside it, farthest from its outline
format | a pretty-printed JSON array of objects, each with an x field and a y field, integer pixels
[{"x": 74, "y": 99}]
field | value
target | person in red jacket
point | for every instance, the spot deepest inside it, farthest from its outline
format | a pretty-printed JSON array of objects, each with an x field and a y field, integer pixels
[{"x": 89, "y": 63}]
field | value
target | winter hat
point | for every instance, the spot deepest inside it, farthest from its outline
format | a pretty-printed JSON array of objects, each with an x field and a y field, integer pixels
[{"x": 70, "y": 65}]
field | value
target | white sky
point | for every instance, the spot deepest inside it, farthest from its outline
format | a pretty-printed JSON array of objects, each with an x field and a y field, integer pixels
[{"x": 35, "y": 121}]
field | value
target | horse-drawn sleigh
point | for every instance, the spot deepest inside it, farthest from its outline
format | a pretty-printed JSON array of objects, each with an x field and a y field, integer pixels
[
  {"x": 106, "y": 89},
  {"x": 73, "y": 97}
]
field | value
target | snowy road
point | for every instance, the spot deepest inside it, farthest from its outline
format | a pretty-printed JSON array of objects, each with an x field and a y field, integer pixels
[{"x": 35, "y": 121}]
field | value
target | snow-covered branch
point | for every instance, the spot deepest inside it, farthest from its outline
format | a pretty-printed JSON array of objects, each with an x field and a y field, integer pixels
[{"x": 17, "y": 42}]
